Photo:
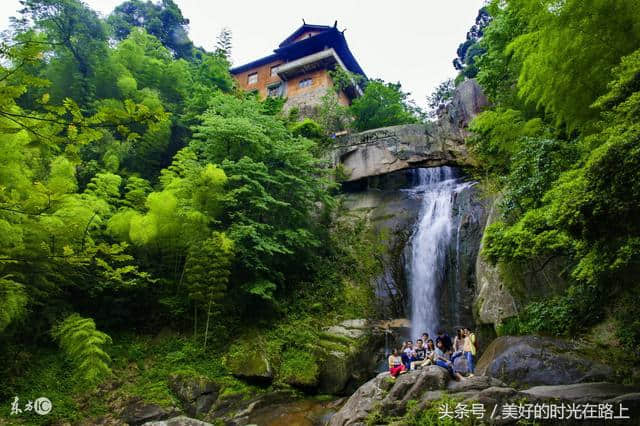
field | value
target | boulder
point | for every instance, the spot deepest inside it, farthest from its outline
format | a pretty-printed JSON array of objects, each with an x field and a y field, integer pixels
[
  {"x": 342, "y": 331},
  {"x": 385, "y": 150},
  {"x": 335, "y": 372},
  {"x": 381, "y": 151},
  {"x": 467, "y": 101},
  {"x": 412, "y": 386},
  {"x": 138, "y": 412},
  {"x": 389, "y": 395},
  {"x": 389, "y": 149},
  {"x": 579, "y": 392},
  {"x": 363, "y": 401},
  {"x": 535, "y": 360},
  {"x": 473, "y": 383},
  {"x": 389, "y": 398},
  {"x": 350, "y": 356},
  {"x": 178, "y": 421},
  {"x": 197, "y": 394},
  {"x": 249, "y": 364}
]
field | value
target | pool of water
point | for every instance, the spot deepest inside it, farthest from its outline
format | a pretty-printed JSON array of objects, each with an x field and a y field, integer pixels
[{"x": 306, "y": 412}]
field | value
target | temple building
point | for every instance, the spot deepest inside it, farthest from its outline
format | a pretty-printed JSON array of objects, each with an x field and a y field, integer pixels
[{"x": 298, "y": 69}]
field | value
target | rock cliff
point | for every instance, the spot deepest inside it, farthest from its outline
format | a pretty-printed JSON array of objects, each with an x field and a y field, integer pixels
[{"x": 389, "y": 149}]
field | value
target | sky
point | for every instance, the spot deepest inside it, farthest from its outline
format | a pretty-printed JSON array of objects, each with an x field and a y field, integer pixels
[{"x": 410, "y": 41}]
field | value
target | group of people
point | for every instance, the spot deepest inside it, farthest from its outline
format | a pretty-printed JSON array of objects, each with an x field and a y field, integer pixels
[{"x": 442, "y": 353}]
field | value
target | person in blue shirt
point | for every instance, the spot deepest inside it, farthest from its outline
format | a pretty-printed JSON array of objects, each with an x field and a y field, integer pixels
[
  {"x": 408, "y": 354},
  {"x": 443, "y": 360}
]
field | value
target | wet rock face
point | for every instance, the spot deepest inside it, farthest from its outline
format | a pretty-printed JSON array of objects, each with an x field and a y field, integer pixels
[
  {"x": 534, "y": 360},
  {"x": 493, "y": 300},
  {"x": 391, "y": 212},
  {"x": 459, "y": 289}
]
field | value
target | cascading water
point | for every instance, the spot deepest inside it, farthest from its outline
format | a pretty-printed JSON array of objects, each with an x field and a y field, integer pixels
[{"x": 428, "y": 248}]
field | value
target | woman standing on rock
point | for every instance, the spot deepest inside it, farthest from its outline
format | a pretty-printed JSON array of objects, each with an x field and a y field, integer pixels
[
  {"x": 458, "y": 344},
  {"x": 469, "y": 349},
  {"x": 395, "y": 364}
]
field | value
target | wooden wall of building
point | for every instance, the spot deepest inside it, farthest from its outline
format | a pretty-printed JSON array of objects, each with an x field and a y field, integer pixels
[
  {"x": 320, "y": 79},
  {"x": 264, "y": 78}
]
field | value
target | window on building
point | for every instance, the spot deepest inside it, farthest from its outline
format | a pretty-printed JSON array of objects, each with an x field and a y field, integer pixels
[
  {"x": 274, "y": 71},
  {"x": 252, "y": 78},
  {"x": 275, "y": 90},
  {"x": 306, "y": 82}
]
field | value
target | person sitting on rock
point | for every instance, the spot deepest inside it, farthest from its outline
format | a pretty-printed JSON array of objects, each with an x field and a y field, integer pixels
[
  {"x": 469, "y": 349},
  {"x": 425, "y": 338},
  {"x": 431, "y": 352},
  {"x": 442, "y": 360},
  {"x": 446, "y": 340},
  {"x": 458, "y": 344},
  {"x": 421, "y": 355},
  {"x": 395, "y": 364},
  {"x": 408, "y": 354}
]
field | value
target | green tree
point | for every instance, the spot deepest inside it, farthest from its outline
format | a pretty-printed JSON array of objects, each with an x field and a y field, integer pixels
[
  {"x": 207, "y": 274},
  {"x": 382, "y": 104},
  {"x": 163, "y": 20},
  {"x": 276, "y": 187},
  {"x": 567, "y": 53},
  {"x": 223, "y": 43},
  {"x": 79, "y": 39}
]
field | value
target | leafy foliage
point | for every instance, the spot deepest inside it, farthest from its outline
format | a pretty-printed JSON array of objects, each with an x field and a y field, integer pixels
[
  {"x": 13, "y": 301},
  {"x": 561, "y": 140},
  {"x": 83, "y": 344},
  {"x": 163, "y": 20},
  {"x": 471, "y": 48},
  {"x": 593, "y": 37},
  {"x": 382, "y": 104}
]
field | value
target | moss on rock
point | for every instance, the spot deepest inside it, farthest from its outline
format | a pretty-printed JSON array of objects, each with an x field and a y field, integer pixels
[{"x": 299, "y": 368}]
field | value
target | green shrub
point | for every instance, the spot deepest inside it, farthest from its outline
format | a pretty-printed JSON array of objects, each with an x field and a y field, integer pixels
[{"x": 309, "y": 129}]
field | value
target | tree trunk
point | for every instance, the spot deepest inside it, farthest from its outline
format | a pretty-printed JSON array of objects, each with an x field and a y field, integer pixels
[
  {"x": 206, "y": 329},
  {"x": 195, "y": 321}
]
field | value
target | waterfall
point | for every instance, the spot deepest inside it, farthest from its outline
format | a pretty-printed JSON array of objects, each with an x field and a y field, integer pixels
[{"x": 428, "y": 247}]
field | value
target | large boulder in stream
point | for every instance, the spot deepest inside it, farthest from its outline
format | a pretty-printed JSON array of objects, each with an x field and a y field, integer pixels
[{"x": 535, "y": 360}]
